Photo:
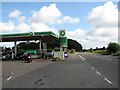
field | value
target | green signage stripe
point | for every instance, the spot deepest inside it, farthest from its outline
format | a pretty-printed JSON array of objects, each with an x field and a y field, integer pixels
[
  {"x": 40, "y": 33},
  {"x": 8, "y": 35},
  {"x": 30, "y": 34}
]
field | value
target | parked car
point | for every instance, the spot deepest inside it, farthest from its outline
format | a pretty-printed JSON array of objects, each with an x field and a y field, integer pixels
[
  {"x": 49, "y": 53},
  {"x": 6, "y": 56},
  {"x": 19, "y": 55},
  {"x": 0, "y": 56}
]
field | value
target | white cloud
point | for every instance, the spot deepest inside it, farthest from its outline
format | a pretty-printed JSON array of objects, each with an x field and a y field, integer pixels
[
  {"x": 6, "y": 27},
  {"x": 22, "y": 19},
  {"x": 15, "y": 14},
  {"x": 104, "y": 16},
  {"x": 40, "y": 27},
  {"x": 23, "y": 27},
  {"x": 46, "y": 15},
  {"x": 96, "y": 37},
  {"x": 7, "y": 44},
  {"x": 68, "y": 19}
]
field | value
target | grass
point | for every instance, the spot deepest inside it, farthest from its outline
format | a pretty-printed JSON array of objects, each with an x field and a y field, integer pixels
[
  {"x": 73, "y": 53},
  {"x": 116, "y": 54},
  {"x": 104, "y": 52}
]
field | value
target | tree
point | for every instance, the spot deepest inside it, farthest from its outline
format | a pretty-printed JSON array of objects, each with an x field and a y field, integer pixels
[
  {"x": 90, "y": 49},
  {"x": 72, "y": 50},
  {"x": 113, "y": 48},
  {"x": 103, "y": 47},
  {"x": 73, "y": 44}
]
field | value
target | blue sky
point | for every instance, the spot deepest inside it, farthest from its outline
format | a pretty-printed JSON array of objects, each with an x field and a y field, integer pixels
[
  {"x": 76, "y": 9},
  {"x": 83, "y": 27}
]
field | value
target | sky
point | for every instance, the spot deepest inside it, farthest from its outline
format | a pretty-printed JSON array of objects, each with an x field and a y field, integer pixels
[{"x": 92, "y": 24}]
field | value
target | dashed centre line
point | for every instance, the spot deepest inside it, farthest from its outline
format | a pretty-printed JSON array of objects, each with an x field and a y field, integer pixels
[
  {"x": 98, "y": 73},
  {"x": 108, "y": 80},
  {"x": 92, "y": 68},
  {"x": 82, "y": 58}
]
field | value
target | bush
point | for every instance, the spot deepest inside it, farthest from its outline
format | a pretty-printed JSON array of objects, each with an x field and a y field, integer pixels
[
  {"x": 113, "y": 48},
  {"x": 56, "y": 49},
  {"x": 72, "y": 51}
]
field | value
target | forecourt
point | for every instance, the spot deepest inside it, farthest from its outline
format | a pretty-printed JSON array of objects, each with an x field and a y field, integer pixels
[{"x": 41, "y": 36}]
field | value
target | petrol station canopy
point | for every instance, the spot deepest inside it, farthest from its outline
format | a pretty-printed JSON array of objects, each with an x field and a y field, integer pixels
[{"x": 44, "y": 36}]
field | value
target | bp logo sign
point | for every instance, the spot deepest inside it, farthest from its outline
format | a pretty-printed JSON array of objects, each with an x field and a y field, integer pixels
[
  {"x": 62, "y": 33},
  {"x": 31, "y": 33}
]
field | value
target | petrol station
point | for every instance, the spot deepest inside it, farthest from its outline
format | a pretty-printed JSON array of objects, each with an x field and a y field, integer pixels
[{"x": 41, "y": 36}]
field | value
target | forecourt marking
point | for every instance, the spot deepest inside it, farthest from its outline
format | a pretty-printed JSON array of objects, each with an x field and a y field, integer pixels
[{"x": 9, "y": 78}]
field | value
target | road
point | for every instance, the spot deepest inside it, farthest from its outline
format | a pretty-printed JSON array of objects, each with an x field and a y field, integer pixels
[{"x": 82, "y": 70}]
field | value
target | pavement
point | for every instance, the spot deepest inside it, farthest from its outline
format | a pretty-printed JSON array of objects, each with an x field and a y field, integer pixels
[{"x": 82, "y": 70}]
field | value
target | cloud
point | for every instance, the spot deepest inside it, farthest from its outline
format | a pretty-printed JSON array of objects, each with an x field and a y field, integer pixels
[
  {"x": 15, "y": 14},
  {"x": 6, "y": 27},
  {"x": 40, "y": 27},
  {"x": 68, "y": 19},
  {"x": 23, "y": 27},
  {"x": 96, "y": 37},
  {"x": 46, "y": 15},
  {"x": 105, "y": 19},
  {"x": 104, "y": 16},
  {"x": 7, "y": 44},
  {"x": 22, "y": 19}
]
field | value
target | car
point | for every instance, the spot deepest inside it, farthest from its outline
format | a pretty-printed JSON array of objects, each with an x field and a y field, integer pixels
[
  {"x": 19, "y": 55},
  {"x": 0, "y": 56},
  {"x": 5, "y": 56},
  {"x": 49, "y": 53}
]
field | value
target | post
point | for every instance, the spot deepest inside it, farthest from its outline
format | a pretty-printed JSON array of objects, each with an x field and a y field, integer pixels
[
  {"x": 43, "y": 46},
  {"x": 15, "y": 48},
  {"x": 40, "y": 44}
]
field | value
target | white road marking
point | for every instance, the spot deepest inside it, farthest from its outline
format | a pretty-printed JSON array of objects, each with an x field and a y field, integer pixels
[
  {"x": 9, "y": 78},
  {"x": 98, "y": 73},
  {"x": 108, "y": 80},
  {"x": 92, "y": 68},
  {"x": 82, "y": 57}
]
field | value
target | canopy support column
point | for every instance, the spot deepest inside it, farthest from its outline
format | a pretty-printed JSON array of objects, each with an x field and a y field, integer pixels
[
  {"x": 15, "y": 48},
  {"x": 40, "y": 44}
]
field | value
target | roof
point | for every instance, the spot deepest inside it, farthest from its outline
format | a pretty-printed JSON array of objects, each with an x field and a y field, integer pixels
[{"x": 45, "y": 36}]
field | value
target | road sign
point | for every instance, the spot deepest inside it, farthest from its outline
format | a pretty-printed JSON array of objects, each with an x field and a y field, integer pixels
[{"x": 63, "y": 38}]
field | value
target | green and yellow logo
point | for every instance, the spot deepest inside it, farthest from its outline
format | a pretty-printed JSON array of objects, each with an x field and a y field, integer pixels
[
  {"x": 31, "y": 34},
  {"x": 62, "y": 33}
]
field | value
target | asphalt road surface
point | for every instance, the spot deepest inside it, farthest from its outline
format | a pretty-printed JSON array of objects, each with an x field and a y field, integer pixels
[{"x": 82, "y": 70}]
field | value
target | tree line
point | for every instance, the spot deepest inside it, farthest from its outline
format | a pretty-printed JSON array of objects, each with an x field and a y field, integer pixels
[{"x": 72, "y": 44}]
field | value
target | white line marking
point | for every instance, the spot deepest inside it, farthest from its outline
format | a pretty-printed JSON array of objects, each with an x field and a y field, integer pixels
[
  {"x": 82, "y": 57},
  {"x": 98, "y": 73},
  {"x": 9, "y": 78},
  {"x": 108, "y": 80},
  {"x": 92, "y": 68}
]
